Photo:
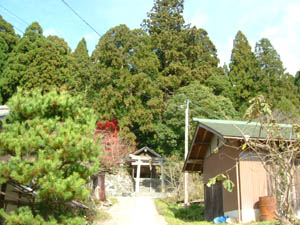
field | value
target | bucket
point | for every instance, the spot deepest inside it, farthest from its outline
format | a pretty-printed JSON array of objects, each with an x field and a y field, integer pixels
[{"x": 267, "y": 207}]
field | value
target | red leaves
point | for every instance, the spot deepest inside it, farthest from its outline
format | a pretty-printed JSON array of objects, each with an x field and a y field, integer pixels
[
  {"x": 108, "y": 126},
  {"x": 114, "y": 147}
]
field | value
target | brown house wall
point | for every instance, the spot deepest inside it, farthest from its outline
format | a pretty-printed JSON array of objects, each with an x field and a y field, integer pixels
[{"x": 220, "y": 162}]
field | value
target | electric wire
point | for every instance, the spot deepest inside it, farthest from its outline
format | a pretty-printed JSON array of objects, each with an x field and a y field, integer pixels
[
  {"x": 10, "y": 12},
  {"x": 18, "y": 29},
  {"x": 77, "y": 14}
]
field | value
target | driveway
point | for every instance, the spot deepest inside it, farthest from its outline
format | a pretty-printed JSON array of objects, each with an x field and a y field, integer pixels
[{"x": 135, "y": 211}]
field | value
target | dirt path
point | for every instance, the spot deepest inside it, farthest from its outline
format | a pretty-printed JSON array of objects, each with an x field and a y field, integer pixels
[{"x": 135, "y": 211}]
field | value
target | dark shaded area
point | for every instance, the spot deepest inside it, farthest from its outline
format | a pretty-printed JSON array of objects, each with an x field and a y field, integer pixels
[{"x": 213, "y": 201}]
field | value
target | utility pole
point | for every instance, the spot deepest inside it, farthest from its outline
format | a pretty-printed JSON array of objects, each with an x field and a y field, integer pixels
[{"x": 186, "y": 149}]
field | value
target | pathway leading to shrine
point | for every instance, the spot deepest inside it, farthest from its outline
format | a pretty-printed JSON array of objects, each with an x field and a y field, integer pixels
[{"x": 135, "y": 211}]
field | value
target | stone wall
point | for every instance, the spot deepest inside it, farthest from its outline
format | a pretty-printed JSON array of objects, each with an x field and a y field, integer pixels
[
  {"x": 150, "y": 185},
  {"x": 119, "y": 184}
]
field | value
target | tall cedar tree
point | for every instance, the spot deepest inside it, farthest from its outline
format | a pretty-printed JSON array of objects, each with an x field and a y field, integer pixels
[
  {"x": 274, "y": 83},
  {"x": 55, "y": 157},
  {"x": 243, "y": 72},
  {"x": 8, "y": 40},
  {"x": 124, "y": 75},
  {"x": 185, "y": 53},
  {"x": 83, "y": 65},
  {"x": 36, "y": 62}
]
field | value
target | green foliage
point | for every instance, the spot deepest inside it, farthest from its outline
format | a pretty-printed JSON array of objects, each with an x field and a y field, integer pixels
[
  {"x": 220, "y": 84},
  {"x": 24, "y": 216},
  {"x": 297, "y": 80},
  {"x": 49, "y": 141},
  {"x": 277, "y": 86},
  {"x": 83, "y": 82},
  {"x": 178, "y": 215},
  {"x": 8, "y": 40},
  {"x": 169, "y": 135},
  {"x": 123, "y": 74},
  {"x": 185, "y": 53},
  {"x": 243, "y": 72},
  {"x": 36, "y": 61},
  {"x": 227, "y": 183}
]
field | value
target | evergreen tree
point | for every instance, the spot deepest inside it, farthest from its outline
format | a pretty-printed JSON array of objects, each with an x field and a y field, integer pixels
[
  {"x": 124, "y": 72},
  {"x": 219, "y": 83},
  {"x": 35, "y": 62},
  {"x": 83, "y": 67},
  {"x": 8, "y": 40},
  {"x": 274, "y": 83},
  {"x": 185, "y": 53},
  {"x": 50, "y": 149},
  {"x": 244, "y": 72},
  {"x": 271, "y": 69}
]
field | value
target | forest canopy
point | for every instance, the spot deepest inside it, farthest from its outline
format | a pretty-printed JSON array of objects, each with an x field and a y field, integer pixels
[{"x": 141, "y": 77}]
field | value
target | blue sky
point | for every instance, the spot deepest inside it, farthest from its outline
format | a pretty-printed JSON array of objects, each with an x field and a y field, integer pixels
[{"x": 277, "y": 20}]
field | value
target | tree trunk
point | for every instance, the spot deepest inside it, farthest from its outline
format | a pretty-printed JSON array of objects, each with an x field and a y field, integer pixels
[{"x": 102, "y": 188}]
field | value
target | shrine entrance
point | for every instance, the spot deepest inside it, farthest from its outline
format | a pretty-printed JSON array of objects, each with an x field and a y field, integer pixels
[{"x": 147, "y": 170}]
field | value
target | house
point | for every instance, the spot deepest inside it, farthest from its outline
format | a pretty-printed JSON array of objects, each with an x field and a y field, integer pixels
[{"x": 216, "y": 148}]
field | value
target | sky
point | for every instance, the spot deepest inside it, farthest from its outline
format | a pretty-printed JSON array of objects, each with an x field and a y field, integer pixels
[{"x": 277, "y": 20}]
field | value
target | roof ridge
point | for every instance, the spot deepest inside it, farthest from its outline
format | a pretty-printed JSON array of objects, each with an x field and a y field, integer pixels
[{"x": 235, "y": 122}]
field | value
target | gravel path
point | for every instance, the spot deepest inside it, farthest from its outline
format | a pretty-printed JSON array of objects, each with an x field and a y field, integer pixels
[{"x": 135, "y": 211}]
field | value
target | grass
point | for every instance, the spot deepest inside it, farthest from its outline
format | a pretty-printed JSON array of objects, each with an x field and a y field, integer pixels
[{"x": 175, "y": 214}]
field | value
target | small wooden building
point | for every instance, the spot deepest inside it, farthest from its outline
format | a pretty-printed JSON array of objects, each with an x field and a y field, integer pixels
[
  {"x": 216, "y": 149},
  {"x": 147, "y": 170}
]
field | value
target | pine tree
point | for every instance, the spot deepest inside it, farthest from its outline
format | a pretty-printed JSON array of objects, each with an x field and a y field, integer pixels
[
  {"x": 243, "y": 72},
  {"x": 124, "y": 75},
  {"x": 50, "y": 149}
]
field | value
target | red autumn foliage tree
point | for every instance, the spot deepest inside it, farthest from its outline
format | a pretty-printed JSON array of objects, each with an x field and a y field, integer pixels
[{"x": 115, "y": 150}]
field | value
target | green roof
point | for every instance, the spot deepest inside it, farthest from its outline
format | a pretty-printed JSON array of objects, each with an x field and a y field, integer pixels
[{"x": 231, "y": 128}]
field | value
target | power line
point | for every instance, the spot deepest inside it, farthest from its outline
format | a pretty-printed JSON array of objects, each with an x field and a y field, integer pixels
[
  {"x": 10, "y": 12},
  {"x": 80, "y": 17},
  {"x": 18, "y": 29}
]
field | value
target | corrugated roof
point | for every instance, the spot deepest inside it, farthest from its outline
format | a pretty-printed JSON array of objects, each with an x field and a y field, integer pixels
[
  {"x": 231, "y": 128},
  {"x": 225, "y": 129}
]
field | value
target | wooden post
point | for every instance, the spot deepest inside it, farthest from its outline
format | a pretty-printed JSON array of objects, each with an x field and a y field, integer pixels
[
  {"x": 162, "y": 177},
  {"x": 150, "y": 179},
  {"x": 102, "y": 187},
  {"x": 138, "y": 174}
]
